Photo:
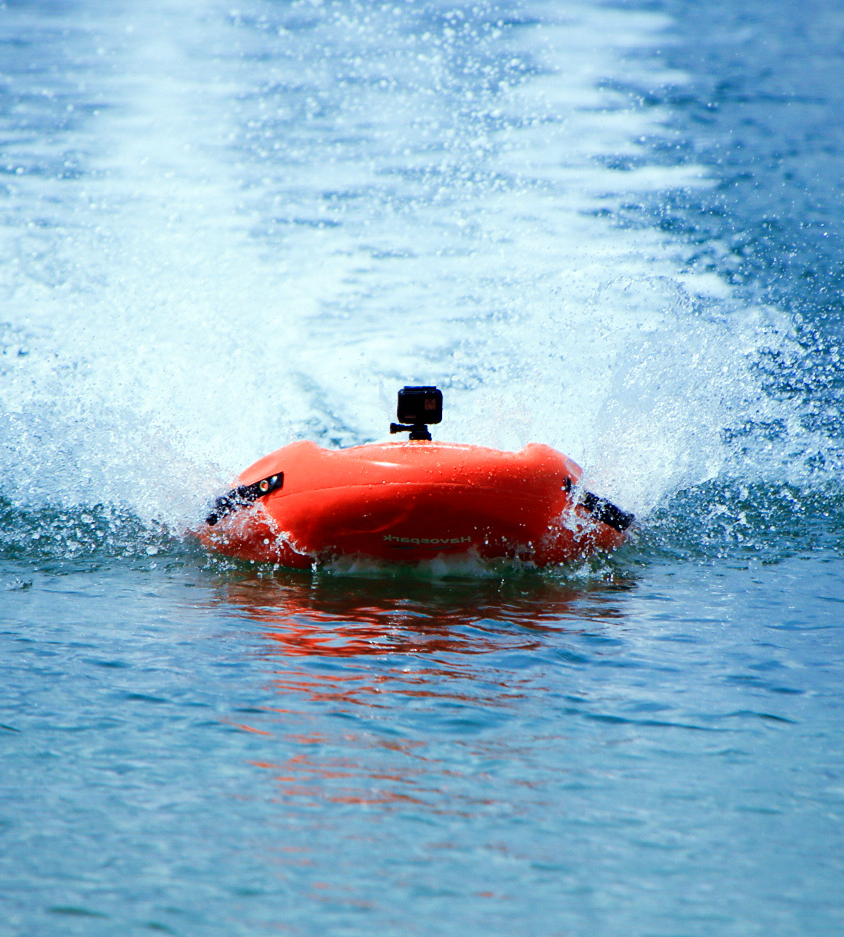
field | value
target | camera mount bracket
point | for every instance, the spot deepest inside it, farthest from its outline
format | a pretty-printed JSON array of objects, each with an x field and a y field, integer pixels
[{"x": 416, "y": 430}]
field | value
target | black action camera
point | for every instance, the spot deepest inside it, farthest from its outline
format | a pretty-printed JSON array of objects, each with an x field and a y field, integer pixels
[{"x": 418, "y": 406}]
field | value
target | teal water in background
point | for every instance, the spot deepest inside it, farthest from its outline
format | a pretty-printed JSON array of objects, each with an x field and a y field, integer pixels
[{"x": 613, "y": 229}]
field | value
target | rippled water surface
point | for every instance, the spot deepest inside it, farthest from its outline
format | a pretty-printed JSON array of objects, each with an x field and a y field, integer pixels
[{"x": 615, "y": 229}]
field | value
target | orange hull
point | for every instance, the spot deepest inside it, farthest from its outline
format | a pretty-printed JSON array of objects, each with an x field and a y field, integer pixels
[{"x": 406, "y": 502}]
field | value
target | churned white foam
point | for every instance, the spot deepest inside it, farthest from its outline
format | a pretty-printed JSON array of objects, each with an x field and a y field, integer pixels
[{"x": 278, "y": 215}]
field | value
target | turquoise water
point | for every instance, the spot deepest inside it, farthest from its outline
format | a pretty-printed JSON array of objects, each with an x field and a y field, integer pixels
[
  {"x": 202, "y": 752},
  {"x": 613, "y": 229}
]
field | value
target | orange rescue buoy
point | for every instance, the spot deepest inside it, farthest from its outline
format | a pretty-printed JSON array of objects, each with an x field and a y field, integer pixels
[{"x": 406, "y": 502}]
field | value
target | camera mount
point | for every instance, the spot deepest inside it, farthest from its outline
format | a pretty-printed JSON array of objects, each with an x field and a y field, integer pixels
[{"x": 417, "y": 407}]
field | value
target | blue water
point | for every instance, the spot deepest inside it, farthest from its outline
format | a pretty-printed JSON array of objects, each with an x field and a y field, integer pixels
[{"x": 615, "y": 229}]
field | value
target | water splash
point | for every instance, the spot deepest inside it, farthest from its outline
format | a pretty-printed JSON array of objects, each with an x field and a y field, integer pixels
[{"x": 256, "y": 225}]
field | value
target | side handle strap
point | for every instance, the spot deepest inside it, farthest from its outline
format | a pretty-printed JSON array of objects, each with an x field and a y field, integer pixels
[
  {"x": 242, "y": 496},
  {"x": 602, "y": 510}
]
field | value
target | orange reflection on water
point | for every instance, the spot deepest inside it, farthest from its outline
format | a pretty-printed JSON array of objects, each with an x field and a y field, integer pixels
[
  {"x": 347, "y": 618},
  {"x": 383, "y": 668},
  {"x": 401, "y": 781}
]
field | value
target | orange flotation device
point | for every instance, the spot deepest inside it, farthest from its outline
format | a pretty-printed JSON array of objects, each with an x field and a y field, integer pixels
[{"x": 406, "y": 502}]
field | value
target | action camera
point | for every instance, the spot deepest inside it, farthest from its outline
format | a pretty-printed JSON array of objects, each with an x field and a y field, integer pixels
[{"x": 418, "y": 406}]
